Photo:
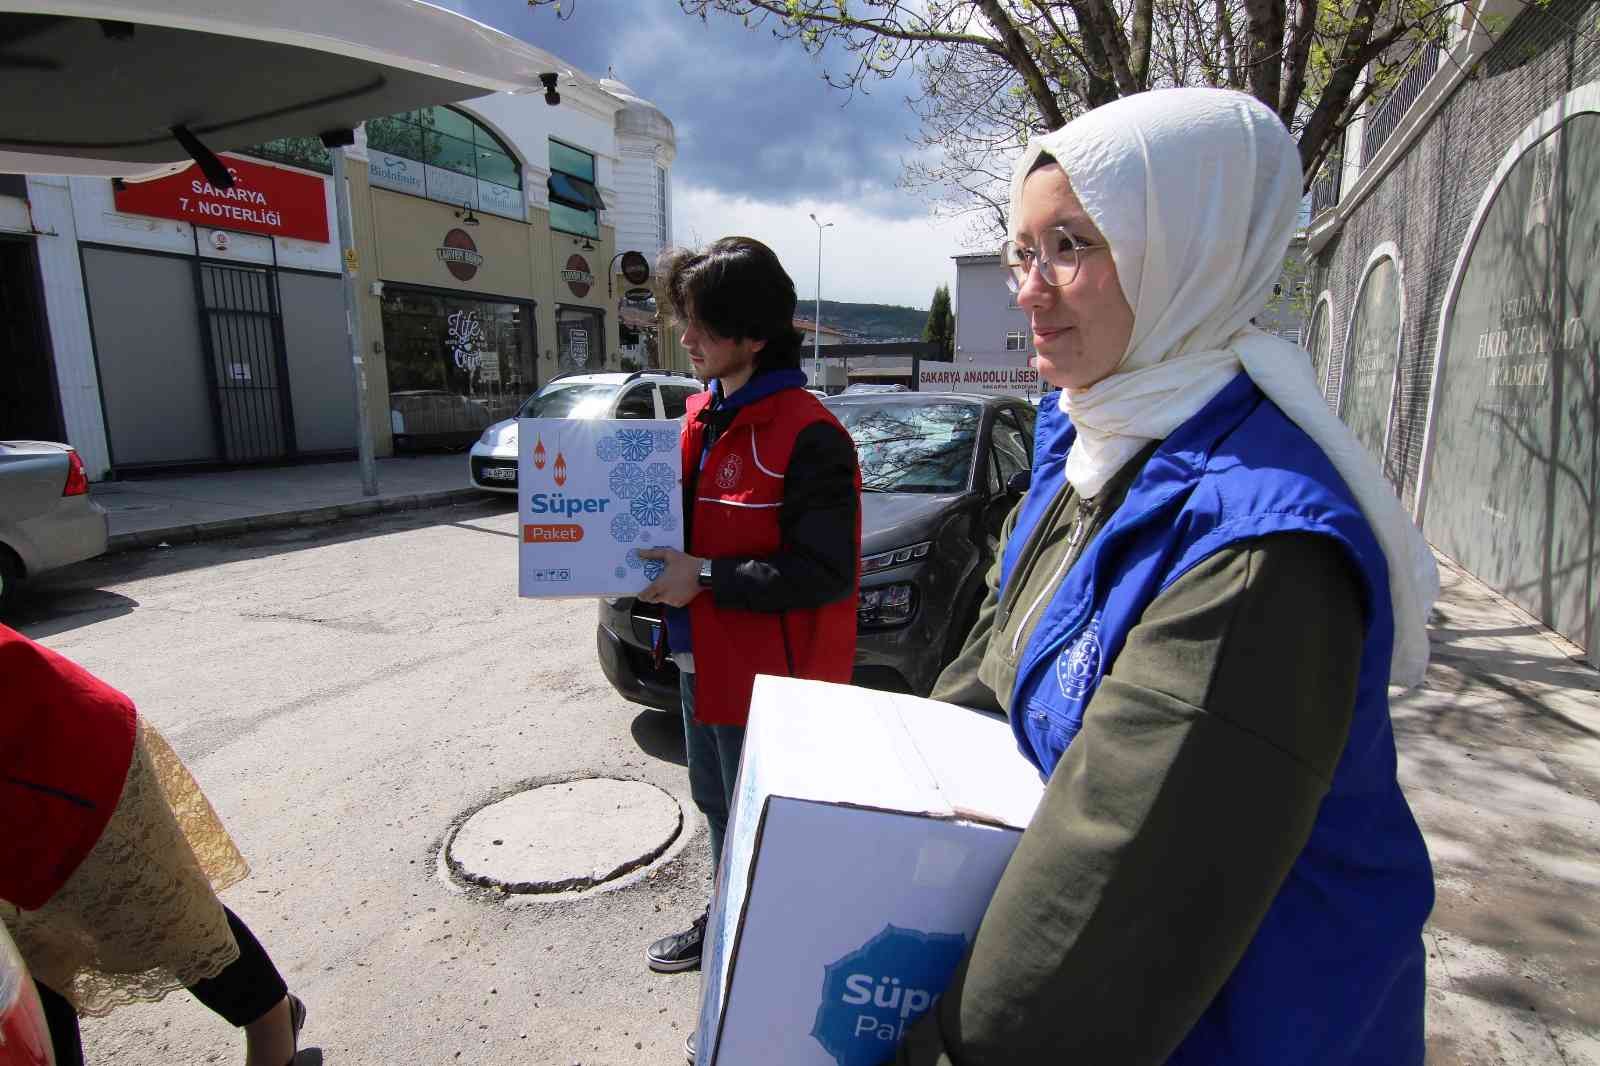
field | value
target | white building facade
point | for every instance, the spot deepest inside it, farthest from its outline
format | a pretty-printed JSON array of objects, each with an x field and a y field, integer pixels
[{"x": 162, "y": 325}]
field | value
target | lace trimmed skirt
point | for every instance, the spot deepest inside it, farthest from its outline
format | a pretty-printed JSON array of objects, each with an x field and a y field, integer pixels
[{"x": 140, "y": 917}]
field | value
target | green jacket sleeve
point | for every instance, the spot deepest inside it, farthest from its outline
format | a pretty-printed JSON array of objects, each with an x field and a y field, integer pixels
[
  {"x": 1168, "y": 826},
  {"x": 959, "y": 682}
]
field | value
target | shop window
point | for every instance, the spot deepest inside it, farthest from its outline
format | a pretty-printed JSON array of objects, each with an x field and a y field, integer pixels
[
  {"x": 575, "y": 203},
  {"x": 304, "y": 152},
  {"x": 1016, "y": 341},
  {"x": 396, "y": 135},
  {"x": 455, "y": 365},
  {"x": 580, "y": 339},
  {"x": 445, "y": 138}
]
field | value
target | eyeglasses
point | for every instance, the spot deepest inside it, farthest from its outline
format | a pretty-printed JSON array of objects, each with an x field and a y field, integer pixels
[{"x": 1058, "y": 263}]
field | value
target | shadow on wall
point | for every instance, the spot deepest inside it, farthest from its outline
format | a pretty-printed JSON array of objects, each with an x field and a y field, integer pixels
[{"x": 1516, "y": 463}]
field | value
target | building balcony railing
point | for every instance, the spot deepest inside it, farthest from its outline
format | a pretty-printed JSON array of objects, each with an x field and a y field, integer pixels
[
  {"x": 1325, "y": 190},
  {"x": 1386, "y": 117}
]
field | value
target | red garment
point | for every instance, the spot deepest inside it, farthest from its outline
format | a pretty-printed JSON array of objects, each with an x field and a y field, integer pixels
[
  {"x": 738, "y": 496},
  {"x": 66, "y": 740}
]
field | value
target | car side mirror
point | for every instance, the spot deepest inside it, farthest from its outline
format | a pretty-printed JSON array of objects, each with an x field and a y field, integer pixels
[{"x": 1017, "y": 484}]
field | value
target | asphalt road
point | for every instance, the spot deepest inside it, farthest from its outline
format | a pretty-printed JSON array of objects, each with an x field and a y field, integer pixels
[{"x": 344, "y": 694}]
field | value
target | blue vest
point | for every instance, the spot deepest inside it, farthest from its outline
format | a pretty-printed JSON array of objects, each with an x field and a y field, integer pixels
[{"x": 1334, "y": 974}]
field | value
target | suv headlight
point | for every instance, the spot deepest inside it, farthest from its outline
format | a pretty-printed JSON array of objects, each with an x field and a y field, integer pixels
[
  {"x": 886, "y": 606},
  {"x": 871, "y": 564}
]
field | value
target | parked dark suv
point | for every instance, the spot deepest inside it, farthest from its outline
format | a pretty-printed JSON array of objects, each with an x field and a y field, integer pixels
[{"x": 939, "y": 473}]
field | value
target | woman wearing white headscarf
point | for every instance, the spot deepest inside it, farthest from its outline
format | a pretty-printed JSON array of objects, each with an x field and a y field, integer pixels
[{"x": 1197, "y": 613}]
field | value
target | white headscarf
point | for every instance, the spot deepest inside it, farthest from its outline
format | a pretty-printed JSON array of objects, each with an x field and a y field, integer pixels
[{"x": 1197, "y": 191}]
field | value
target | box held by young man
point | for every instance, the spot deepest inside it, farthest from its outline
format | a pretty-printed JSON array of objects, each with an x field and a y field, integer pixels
[
  {"x": 868, "y": 833},
  {"x": 590, "y": 494}
]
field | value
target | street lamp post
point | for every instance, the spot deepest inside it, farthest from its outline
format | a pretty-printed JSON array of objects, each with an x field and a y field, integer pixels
[{"x": 816, "y": 336}]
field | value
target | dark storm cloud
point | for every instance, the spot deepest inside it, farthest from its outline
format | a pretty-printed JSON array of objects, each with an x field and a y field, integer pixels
[{"x": 753, "y": 115}]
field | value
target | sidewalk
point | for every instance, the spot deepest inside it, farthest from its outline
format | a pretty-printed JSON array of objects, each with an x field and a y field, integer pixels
[
  {"x": 1500, "y": 758},
  {"x": 172, "y": 510}
]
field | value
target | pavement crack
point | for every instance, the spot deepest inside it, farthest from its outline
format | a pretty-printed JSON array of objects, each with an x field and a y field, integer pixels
[{"x": 343, "y": 625}]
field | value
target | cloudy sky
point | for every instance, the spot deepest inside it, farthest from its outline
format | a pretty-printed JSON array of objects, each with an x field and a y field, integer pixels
[{"x": 763, "y": 141}]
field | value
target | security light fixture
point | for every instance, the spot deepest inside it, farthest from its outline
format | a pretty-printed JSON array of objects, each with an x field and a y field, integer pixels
[
  {"x": 466, "y": 216},
  {"x": 551, "y": 97}
]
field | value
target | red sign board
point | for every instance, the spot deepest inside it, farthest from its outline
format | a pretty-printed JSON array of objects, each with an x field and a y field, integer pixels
[{"x": 279, "y": 203}]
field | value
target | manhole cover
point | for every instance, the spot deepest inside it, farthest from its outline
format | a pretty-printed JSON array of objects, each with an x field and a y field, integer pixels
[{"x": 566, "y": 836}]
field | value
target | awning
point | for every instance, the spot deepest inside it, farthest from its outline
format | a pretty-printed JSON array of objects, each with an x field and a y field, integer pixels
[
  {"x": 574, "y": 193},
  {"x": 97, "y": 86}
]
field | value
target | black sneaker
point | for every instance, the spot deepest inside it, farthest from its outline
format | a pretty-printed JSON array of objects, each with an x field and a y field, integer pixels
[
  {"x": 680, "y": 951},
  {"x": 690, "y": 1047}
]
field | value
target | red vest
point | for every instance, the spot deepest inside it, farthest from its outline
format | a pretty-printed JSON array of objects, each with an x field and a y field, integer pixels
[
  {"x": 66, "y": 739},
  {"x": 735, "y": 514}
]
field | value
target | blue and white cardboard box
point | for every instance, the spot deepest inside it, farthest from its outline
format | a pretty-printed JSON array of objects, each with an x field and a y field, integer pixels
[
  {"x": 590, "y": 493},
  {"x": 868, "y": 833}
]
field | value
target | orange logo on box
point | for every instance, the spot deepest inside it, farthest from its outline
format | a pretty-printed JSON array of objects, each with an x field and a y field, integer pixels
[{"x": 551, "y": 534}]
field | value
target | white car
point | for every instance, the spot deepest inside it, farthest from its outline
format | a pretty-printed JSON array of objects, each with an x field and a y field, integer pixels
[
  {"x": 47, "y": 519},
  {"x": 642, "y": 394}
]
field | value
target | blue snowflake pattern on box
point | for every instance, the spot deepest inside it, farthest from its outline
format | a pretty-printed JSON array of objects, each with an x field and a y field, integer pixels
[
  {"x": 665, "y": 440},
  {"x": 650, "y": 506},
  {"x": 607, "y": 450},
  {"x": 652, "y": 567},
  {"x": 626, "y": 480},
  {"x": 635, "y": 445},
  {"x": 669, "y": 524},
  {"x": 660, "y": 475},
  {"x": 621, "y": 572},
  {"x": 624, "y": 529},
  {"x": 644, "y": 534}
]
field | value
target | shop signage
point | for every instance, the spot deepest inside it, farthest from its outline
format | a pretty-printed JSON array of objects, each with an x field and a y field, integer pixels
[
  {"x": 635, "y": 268},
  {"x": 500, "y": 200},
  {"x": 450, "y": 187},
  {"x": 578, "y": 346},
  {"x": 400, "y": 174},
  {"x": 466, "y": 337},
  {"x": 993, "y": 379},
  {"x": 266, "y": 200},
  {"x": 577, "y": 276},
  {"x": 392, "y": 172},
  {"x": 459, "y": 255}
]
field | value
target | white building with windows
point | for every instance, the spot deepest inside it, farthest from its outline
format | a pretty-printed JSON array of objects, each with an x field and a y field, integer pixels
[
  {"x": 990, "y": 327},
  {"x": 171, "y": 325}
]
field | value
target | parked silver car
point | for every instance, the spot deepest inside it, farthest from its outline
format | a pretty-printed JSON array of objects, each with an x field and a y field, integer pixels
[{"x": 47, "y": 519}]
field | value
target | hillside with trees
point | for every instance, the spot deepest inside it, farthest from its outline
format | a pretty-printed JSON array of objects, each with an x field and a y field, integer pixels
[{"x": 872, "y": 322}]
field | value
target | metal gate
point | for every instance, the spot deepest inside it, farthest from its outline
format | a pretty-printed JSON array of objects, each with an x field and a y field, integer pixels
[{"x": 242, "y": 323}]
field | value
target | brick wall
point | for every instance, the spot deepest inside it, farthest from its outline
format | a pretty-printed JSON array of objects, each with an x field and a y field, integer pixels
[{"x": 1426, "y": 202}]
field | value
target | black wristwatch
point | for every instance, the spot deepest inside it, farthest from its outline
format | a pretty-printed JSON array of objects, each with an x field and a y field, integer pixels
[{"x": 705, "y": 573}]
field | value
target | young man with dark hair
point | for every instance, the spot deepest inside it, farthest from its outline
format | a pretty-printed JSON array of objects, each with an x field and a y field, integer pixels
[{"x": 772, "y": 523}]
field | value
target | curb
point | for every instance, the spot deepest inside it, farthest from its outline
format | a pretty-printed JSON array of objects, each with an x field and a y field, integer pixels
[{"x": 233, "y": 527}]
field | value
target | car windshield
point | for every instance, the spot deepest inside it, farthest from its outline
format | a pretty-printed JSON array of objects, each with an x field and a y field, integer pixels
[
  {"x": 907, "y": 447},
  {"x": 577, "y": 399}
]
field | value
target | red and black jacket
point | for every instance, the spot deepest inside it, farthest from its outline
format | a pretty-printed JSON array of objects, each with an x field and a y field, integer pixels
[
  {"x": 776, "y": 505},
  {"x": 66, "y": 740}
]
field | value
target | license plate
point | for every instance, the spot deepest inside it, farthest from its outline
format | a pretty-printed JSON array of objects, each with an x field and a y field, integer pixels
[{"x": 499, "y": 473}]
